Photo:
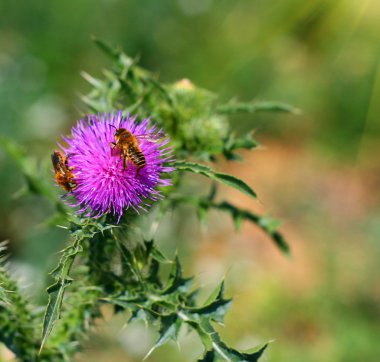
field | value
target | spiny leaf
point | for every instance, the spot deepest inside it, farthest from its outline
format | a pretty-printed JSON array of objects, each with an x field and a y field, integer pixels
[
  {"x": 217, "y": 294},
  {"x": 232, "y": 143},
  {"x": 176, "y": 282},
  {"x": 3, "y": 295},
  {"x": 209, "y": 356},
  {"x": 53, "y": 309},
  {"x": 215, "y": 311},
  {"x": 215, "y": 307},
  {"x": 156, "y": 253},
  {"x": 5, "y": 280},
  {"x": 170, "y": 326},
  {"x": 94, "y": 104},
  {"x": 267, "y": 224},
  {"x": 16, "y": 319},
  {"x": 215, "y": 348},
  {"x": 221, "y": 177},
  {"x": 106, "y": 48},
  {"x": 56, "y": 291},
  {"x": 139, "y": 314},
  {"x": 247, "y": 142},
  {"x": 212, "y": 356},
  {"x": 116, "y": 54},
  {"x": 257, "y": 106},
  {"x": 96, "y": 83},
  {"x": 255, "y": 353}
]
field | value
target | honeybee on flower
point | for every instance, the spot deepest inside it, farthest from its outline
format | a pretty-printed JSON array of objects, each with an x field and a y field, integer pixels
[{"x": 129, "y": 147}]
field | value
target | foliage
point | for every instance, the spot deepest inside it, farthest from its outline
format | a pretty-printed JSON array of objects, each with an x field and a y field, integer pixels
[{"x": 105, "y": 262}]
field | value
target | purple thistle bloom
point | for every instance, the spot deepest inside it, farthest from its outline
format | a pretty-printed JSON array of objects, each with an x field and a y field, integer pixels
[{"x": 102, "y": 183}]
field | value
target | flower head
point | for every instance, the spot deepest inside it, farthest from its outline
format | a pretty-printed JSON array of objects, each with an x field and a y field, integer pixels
[{"x": 109, "y": 177}]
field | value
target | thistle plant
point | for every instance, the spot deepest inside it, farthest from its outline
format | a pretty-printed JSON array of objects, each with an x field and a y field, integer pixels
[{"x": 178, "y": 127}]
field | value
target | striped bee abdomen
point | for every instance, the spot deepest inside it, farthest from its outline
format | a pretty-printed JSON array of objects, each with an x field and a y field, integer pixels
[{"x": 136, "y": 157}]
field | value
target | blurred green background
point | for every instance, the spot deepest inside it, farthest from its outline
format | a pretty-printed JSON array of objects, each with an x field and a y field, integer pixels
[{"x": 319, "y": 171}]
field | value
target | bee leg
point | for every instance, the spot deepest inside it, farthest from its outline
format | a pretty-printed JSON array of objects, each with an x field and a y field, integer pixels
[
  {"x": 113, "y": 145},
  {"x": 67, "y": 161},
  {"x": 124, "y": 163}
]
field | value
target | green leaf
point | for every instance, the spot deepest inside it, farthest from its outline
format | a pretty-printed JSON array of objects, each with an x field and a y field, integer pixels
[
  {"x": 56, "y": 291},
  {"x": 235, "y": 183},
  {"x": 96, "y": 83},
  {"x": 209, "y": 356},
  {"x": 139, "y": 314},
  {"x": 170, "y": 327},
  {"x": 215, "y": 348},
  {"x": 231, "y": 144},
  {"x": 218, "y": 293},
  {"x": 246, "y": 142},
  {"x": 266, "y": 224},
  {"x": 257, "y": 106},
  {"x": 106, "y": 48},
  {"x": 17, "y": 322},
  {"x": 229, "y": 180},
  {"x": 115, "y": 53},
  {"x": 269, "y": 224},
  {"x": 95, "y": 105},
  {"x": 255, "y": 353},
  {"x": 3, "y": 295},
  {"x": 231, "y": 355},
  {"x": 176, "y": 282},
  {"x": 215, "y": 307},
  {"x": 156, "y": 253},
  {"x": 53, "y": 309}
]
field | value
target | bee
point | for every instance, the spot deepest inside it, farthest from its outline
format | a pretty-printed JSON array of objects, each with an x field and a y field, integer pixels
[
  {"x": 63, "y": 173},
  {"x": 129, "y": 147}
]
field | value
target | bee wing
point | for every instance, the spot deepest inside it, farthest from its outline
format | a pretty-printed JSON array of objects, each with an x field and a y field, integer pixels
[
  {"x": 57, "y": 161},
  {"x": 150, "y": 136}
]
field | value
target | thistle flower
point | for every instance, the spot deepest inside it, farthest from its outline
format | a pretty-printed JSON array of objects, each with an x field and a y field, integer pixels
[{"x": 104, "y": 182}]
